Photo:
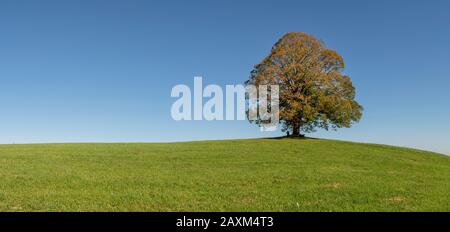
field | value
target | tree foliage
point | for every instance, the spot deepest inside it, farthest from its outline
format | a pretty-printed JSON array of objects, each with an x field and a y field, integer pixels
[{"x": 313, "y": 91}]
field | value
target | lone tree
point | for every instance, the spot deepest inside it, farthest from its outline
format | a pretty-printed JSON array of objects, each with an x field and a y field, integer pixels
[{"x": 313, "y": 92}]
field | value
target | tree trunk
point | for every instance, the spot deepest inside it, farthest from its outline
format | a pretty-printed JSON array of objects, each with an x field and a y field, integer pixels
[{"x": 296, "y": 131}]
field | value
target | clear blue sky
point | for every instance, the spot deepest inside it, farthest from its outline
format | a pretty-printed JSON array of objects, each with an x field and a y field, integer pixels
[{"x": 101, "y": 71}]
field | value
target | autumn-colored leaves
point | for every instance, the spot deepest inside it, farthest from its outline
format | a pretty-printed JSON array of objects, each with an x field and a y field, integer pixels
[{"x": 313, "y": 91}]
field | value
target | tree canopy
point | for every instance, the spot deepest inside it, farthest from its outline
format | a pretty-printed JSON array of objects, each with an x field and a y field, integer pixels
[{"x": 313, "y": 91}]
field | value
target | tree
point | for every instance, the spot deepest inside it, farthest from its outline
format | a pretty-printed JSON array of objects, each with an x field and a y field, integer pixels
[{"x": 313, "y": 92}]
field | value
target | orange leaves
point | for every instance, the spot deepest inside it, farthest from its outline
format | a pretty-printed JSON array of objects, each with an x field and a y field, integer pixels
[{"x": 313, "y": 90}]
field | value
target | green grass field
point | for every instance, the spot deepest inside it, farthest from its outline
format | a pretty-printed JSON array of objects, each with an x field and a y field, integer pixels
[{"x": 239, "y": 175}]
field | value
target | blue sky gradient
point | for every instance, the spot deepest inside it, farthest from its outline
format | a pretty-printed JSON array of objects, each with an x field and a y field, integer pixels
[{"x": 102, "y": 71}]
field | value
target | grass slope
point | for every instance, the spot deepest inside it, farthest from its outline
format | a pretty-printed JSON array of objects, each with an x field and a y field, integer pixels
[{"x": 239, "y": 175}]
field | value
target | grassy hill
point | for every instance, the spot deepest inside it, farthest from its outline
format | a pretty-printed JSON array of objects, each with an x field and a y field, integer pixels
[{"x": 237, "y": 175}]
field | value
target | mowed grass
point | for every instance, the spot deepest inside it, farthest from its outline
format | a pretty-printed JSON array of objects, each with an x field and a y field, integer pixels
[{"x": 239, "y": 175}]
